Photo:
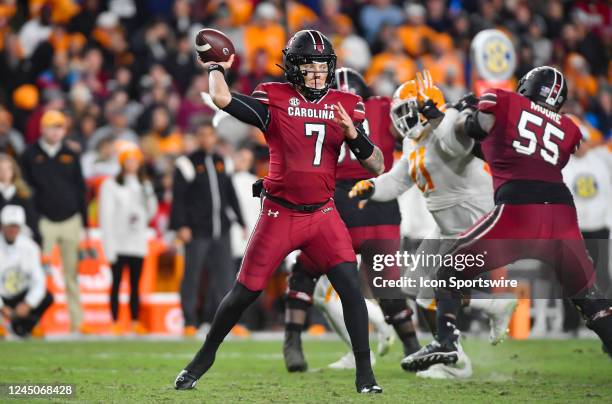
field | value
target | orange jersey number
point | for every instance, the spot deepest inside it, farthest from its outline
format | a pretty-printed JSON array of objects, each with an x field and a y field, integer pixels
[{"x": 417, "y": 163}]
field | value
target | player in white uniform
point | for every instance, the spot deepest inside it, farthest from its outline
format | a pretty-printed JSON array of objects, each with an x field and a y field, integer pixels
[{"x": 456, "y": 185}]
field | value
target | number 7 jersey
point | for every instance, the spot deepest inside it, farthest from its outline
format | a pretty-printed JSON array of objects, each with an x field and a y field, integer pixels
[
  {"x": 304, "y": 141},
  {"x": 528, "y": 141}
]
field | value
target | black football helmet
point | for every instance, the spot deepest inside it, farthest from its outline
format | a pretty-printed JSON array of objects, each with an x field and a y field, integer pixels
[
  {"x": 304, "y": 47},
  {"x": 544, "y": 85},
  {"x": 350, "y": 80}
]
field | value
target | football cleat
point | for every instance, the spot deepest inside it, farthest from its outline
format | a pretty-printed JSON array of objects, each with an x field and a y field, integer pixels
[
  {"x": 446, "y": 352},
  {"x": 348, "y": 362},
  {"x": 500, "y": 312},
  {"x": 370, "y": 389},
  {"x": 185, "y": 381},
  {"x": 462, "y": 369},
  {"x": 293, "y": 353},
  {"x": 386, "y": 339}
]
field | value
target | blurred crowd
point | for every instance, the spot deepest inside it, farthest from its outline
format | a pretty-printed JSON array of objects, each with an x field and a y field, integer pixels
[{"x": 124, "y": 71}]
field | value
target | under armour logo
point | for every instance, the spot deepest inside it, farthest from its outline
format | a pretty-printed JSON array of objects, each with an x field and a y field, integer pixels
[{"x": 273, "y": 213}]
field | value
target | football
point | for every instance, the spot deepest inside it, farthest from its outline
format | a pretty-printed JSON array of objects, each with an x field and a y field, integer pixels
[{"x": 213, "y": 45}]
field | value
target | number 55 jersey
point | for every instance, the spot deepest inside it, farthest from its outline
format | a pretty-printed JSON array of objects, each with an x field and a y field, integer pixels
[{"x": 527, "y": 142}]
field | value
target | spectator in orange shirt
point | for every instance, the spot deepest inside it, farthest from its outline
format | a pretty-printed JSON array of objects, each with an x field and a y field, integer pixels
[
  {"x": 163, "y": 139},
  {"x": 61, "y": 10},
  {"x": 299, "y": 16},
  {"x": 393, "y": 61},
  {"x": 265, "y": 33},
  {"x": 415, "y": 32},
  {"x": 6, "y": 13},
  {"x": 577, "y": 72},
  {"x": 442, "y": 59}
]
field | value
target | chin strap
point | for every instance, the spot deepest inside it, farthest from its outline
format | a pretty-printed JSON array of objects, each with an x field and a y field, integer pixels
[{"x": 281, "y": 67}]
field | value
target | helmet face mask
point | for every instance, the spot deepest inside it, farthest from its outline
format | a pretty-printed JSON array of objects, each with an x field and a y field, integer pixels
[
  {"x": 315, "y": 75},
  {"x": 405, "y": 117},
  {"x": 545, "y": 86},
  {"x": 308, "y": 47}
]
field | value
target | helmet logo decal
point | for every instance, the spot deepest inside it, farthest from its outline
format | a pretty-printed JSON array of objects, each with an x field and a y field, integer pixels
[
  {"x": 317, "y": 41},
  {"x": 555, "y": 91}
]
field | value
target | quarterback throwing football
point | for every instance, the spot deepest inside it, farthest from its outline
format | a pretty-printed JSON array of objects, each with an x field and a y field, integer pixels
[{"x": 305, "y": 125}]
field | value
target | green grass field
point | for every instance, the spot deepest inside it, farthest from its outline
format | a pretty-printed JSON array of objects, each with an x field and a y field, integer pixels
[{"x": 253, "y": 371}]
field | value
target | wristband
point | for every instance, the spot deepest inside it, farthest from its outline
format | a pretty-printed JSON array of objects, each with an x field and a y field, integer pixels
[
  {"x": 361, "y": 146},
  {"x": 216, "y": 66},
  {"x": 430, "y": 110}
]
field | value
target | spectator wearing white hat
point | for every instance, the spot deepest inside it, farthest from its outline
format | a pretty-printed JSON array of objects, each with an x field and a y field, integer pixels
[{"x": 23, "y": 294}]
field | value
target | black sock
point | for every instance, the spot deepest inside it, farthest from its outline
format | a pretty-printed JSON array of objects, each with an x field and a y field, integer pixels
[
  {"x": 407, "y": 335},
  {"x": 294, "y": 327},
  {"x": 364, "y": 367},
  {"x": 447, "y": 309},
  {"x": 231, "y": 308},
  {"x": 399, "y": 315},
  {"x": 345, "y": 280}
]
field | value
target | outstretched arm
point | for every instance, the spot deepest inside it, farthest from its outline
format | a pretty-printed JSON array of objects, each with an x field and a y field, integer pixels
[
  {"x": 217, "y": 86},
  {"x": 242, "y": 107},
  {"x": 476, "y": 125},
  {"x": 393, "y": 183}
]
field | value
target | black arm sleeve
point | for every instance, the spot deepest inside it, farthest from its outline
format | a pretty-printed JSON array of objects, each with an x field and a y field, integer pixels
[
  {"x": 249, "y": 110},
  {"x": 472, "y": 127}
]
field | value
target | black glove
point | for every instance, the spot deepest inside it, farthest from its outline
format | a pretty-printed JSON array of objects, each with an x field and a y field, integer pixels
[
  {"x": 467, "y": 101},
  {"x": 430, "y": 110}
]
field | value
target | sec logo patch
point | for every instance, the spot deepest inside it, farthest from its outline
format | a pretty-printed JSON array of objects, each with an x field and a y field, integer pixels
[{"x": 294, "y": 101}]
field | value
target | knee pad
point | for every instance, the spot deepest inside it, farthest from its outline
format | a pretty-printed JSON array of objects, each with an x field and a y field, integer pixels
[
  {"x": 396, "y": 311},
  {"x": 300, "y": 287}
]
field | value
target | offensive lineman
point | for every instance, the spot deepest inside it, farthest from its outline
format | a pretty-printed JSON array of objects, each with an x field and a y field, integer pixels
[
  {"x": 527, "y": 143},
  {"x": 305, "y": 124},
  {"x": 378, "y": 221},
  {"x": 456, "y": 186}
]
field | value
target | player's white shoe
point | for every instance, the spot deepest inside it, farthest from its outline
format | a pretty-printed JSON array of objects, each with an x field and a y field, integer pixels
[
  {"x": 386, "y": 339},
  {"x": 460, "y": 370},
  {"x": 348, "y": 362},
  {"x": 500, "y": 312}
]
